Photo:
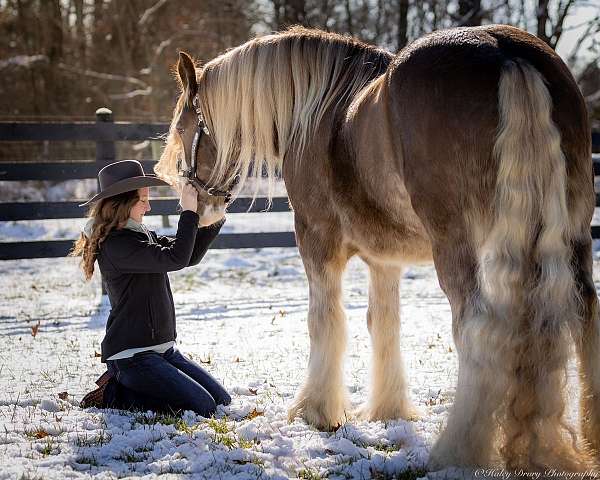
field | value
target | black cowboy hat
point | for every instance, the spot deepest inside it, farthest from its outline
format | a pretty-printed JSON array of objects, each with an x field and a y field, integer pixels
[{"x": 123, "y": 176}]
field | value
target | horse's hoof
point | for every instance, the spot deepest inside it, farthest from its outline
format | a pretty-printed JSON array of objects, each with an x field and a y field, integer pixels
[{"x": 315, "y": 416}]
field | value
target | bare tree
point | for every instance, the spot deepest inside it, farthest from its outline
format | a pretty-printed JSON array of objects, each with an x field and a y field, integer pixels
[
  {"x": 469, "y": 12},
  {"x": 402, "y": 36},
  {"x": 80, "y": 34},
  {"x": 71, "y": 56},
  {"x": 550, "y": 29}
]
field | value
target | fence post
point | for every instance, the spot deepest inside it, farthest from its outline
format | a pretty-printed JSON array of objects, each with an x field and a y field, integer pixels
[
  {"x": 105, "y": 149},
  {"x": 105, "y": 152}
]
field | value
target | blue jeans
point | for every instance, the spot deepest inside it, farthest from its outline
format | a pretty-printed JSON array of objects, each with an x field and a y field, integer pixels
[{"x": 165, "y": 382}]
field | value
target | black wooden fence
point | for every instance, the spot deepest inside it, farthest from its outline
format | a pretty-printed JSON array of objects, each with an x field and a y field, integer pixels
[{"x": 105, "y": 132}]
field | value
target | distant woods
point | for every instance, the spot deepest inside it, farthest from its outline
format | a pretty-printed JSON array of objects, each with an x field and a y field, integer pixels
[{"x": 65, "y": 58}]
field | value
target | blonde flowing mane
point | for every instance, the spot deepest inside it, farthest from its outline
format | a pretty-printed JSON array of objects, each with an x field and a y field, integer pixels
[{"x": 265, "y": 99}]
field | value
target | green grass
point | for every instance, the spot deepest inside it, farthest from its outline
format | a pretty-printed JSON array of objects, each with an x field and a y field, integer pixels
[
  {"x": 224, "y": 435},
  {"x": 148, "y": 447},
  {"x": 246, "y": 444},
  {"x": 226, "y": 440},
  {"x": 30, "y": 476},
  {"x": 219, "y": 425},
  {"x": 93, "y": 440},
  {"x": 131, "y": 457},
  {"x": 83, "y": 460},
  {"x": 222, "y": 432},
  {"x": 386, "y": 448},
  {"x": 174, "y": 419},
  {"x": 309, "y": 474},
  {"x": 152, "y": 419},
  {"x": 412, "y": 474},
  {"x": 405, "y": 475},
  {"x": 49, "y": 448},
  {"x": 183, "y": 427}
]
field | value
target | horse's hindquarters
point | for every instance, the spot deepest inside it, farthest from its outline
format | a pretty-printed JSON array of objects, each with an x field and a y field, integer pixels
[{"x": 503, "y": 187}]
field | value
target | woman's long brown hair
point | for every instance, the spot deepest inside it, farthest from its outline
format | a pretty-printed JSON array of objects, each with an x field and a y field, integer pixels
[{"x": 108, "y": 214}]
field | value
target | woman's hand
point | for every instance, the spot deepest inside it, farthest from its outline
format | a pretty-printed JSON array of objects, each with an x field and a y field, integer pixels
[{"x": 189, "y": 198}]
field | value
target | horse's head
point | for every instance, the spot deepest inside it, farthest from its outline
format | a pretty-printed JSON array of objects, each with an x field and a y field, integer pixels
[{"x": 190, "y": 153}]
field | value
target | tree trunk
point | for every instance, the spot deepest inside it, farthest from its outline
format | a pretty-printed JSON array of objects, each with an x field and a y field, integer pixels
[
  {"x": 25, "y": 24},
  {"x": 276, "y": 14},
  {"x": 325, "y": 13},
  {"x": 294, "y": 13},
  {"x": 542, "y": 19},
  {"x": 469, "y": 12},
  {"x": 52, "y": 34},
  {"x": 402, "y": 38},
  {"x": 348, "y": 17},
  {"x": 80, "y": 31},
  {"x": 99, "y": 43}
]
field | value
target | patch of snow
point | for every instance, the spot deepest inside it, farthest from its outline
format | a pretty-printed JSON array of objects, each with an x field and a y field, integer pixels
[
  {"x": 49, "y": 405},
  {"x": 246, "y": 326}
]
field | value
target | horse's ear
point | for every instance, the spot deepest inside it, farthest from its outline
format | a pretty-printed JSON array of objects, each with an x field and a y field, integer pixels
[{"x": 187, "y": 76}]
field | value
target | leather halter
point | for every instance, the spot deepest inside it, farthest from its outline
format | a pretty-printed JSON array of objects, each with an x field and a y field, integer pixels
[{"x": 191, "y": 172}]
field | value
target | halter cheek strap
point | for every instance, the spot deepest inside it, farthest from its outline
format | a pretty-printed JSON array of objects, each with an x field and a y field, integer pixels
[{"x": 191, "y": 173}]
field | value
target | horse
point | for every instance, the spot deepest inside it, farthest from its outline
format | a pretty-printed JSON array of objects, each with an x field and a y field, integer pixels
[{"x": 471, "y": 148}]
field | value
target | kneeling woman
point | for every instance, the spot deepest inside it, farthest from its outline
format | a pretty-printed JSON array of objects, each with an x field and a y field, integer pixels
[{"x": 145, "y": 369}]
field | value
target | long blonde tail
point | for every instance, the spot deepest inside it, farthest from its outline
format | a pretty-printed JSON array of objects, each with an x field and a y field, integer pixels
[{"x": 526, "y": 279}]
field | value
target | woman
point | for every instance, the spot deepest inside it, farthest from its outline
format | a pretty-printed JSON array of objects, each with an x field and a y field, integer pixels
[{"x": 145, "y": 370}]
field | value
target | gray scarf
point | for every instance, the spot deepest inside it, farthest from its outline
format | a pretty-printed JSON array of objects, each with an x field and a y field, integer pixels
[{"x": 131, "y": 225}]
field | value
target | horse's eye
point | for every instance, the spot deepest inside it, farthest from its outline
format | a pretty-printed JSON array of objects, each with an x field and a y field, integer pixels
[{"x": 180, "y": 130}]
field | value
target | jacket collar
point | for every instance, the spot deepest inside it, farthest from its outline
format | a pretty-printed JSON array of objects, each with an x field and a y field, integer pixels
[{"x": 130, "y": 225}]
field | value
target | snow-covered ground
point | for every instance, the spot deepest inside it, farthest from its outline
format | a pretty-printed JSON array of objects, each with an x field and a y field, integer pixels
[{"x": 242, "y": 315}]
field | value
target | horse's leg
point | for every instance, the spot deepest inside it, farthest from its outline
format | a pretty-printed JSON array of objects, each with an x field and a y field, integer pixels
[
  {"x": 468, "y": 437},
  {"x": 388, "y": 397},
  {"x": 587, "y": 340},
  {"x": 323, "y": 400}
]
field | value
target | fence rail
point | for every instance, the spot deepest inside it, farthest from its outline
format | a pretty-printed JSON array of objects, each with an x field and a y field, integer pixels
[
  {"x": 60, "y": 248},
  {"x": 105, "y": 132},
  {"x": 55, "y": 170},
  {"x": 14, "y": 211}
]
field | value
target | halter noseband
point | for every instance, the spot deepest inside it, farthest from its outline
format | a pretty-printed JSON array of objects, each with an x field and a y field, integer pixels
[{"x": 191, "y": 173}]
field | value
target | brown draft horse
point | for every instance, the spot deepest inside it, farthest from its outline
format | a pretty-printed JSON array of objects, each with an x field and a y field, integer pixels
[{"x": 471, "y": 146}]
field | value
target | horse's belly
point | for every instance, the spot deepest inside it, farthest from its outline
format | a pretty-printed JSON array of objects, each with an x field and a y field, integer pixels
[{"x": 389, "y": 233}]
